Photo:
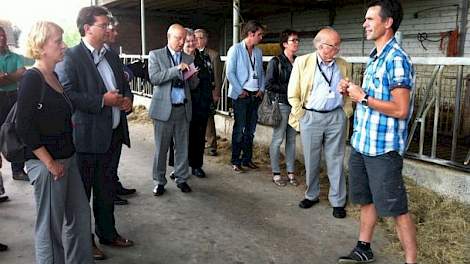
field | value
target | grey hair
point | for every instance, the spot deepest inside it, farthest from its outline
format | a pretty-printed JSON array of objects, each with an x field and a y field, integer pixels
[
  {"x": 189, "y": 32},
  {"x": 202, "y": 31}
]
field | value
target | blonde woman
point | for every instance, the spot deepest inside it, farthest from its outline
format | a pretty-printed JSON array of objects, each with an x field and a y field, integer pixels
[{"x": 44, "y": 124}]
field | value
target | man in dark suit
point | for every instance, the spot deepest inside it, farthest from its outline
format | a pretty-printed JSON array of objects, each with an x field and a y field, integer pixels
[
  {"x": 216, "y": 68},
  {"x": 170, "y": 108},
  {"x": 111, "y": 38},
  {"x": 94, "y": 80}
]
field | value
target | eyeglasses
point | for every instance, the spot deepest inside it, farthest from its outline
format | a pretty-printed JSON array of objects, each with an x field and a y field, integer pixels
[
  {"x": 103, "y": 26},
  {"x": 296, "y": 40},
  {"x": 331, "y": 46}
]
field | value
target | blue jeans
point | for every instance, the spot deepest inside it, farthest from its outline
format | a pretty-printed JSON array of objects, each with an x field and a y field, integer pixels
[
  {"x": 245, "y": 112},
  {"x": 284, "y": 130}
]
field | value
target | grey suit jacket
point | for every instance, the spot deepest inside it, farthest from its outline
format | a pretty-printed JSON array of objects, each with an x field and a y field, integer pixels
[
  {"x": 92, "y": 122},
  {"x": 161, "y": 73}
]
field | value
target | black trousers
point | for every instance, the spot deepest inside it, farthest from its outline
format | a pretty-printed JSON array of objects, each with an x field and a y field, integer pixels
[
  {"x": 97, "y": 175},
  {"x": 7, "y": 100},
  {"x": 115, "y": 165},
  {"x": 197, "y": 140}
]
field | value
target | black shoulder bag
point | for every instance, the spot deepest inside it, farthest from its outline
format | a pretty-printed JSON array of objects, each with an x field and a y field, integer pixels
[{"x": 11, "y": 146}]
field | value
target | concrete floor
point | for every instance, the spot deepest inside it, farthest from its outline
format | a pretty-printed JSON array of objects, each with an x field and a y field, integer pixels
[{"x": 228, "y": 218}]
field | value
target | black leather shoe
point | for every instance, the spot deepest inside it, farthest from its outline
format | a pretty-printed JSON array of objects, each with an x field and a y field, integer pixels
[
  {"x": 198, "y": 172},
  {"x": 339, "y": 212},
  {"x": 159, "y": 190},
  {"x": 306, "y": 203},
  {"x": 20, "y": 176},
  {"x": 119, "y": 201},
  {"x": 3, "y": 247},
  {"x": 184, "y": 187},
  {"x": 120, "y": 190},
  {"x": 172, "y": 175},
  {"x": 3, "y": 199}
]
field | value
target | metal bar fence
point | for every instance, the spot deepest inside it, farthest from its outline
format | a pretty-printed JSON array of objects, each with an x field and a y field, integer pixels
[{"x": 443, "y": 136}]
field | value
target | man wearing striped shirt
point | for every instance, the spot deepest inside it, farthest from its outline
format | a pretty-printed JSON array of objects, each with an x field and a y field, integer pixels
[{"x": 384, "y": 106}]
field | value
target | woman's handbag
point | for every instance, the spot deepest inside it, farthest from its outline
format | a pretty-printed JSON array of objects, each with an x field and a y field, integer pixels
[
  {"x": 269, "y": 113},
  {"x": 11, "y": 146}
]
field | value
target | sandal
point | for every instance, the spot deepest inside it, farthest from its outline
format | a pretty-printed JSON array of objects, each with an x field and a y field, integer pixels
[
  {"x": 292, "y": 179},
  {"x": 277, "y": 179}
]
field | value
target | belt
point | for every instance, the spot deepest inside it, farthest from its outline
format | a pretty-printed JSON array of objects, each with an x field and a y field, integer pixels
[
  {"x": 177, "y": 105},
  {"x": 251, "y": 92},
  {"x": 321, "y": 111}
]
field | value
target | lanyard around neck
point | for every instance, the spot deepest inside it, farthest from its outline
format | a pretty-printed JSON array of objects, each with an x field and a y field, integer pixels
[
  {"x": 324, "y": 75},
  {"x": 252, "y": 63},
  {"x": 171, "y": 57}
]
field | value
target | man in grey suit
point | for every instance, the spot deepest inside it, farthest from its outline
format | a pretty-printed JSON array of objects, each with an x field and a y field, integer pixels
[
  {"x": 170, "y": 108},
  {"x": 94, "y": 81}
]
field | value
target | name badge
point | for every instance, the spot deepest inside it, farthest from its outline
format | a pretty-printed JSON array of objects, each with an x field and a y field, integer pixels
[{"x": 331, "y": 95}]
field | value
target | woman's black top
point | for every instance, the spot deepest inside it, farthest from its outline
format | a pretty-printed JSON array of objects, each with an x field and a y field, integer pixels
[
  {"x": 276, "y": 82},
  {"x": 49, "y": 126}
]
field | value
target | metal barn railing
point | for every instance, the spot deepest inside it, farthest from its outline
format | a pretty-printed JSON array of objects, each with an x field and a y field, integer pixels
[{"x": 440, "y": 125}]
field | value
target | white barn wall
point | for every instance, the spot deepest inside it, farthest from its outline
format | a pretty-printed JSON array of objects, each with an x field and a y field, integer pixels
[{"x": 348, "y": 22}]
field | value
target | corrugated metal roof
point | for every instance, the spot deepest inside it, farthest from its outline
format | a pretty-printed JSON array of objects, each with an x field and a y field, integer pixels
[{"x": 249, "y": 9}]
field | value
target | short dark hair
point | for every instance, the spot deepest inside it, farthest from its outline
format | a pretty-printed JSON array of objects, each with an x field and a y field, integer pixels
[
  {"x": 284, "y": 37},
  {"x": 251, "y": 26},
  {"x": 389, "y": 8},
  {"x": 87, "y": 15}
]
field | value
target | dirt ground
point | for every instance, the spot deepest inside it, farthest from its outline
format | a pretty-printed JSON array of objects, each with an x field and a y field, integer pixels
[{"x": 228, "y": 218}]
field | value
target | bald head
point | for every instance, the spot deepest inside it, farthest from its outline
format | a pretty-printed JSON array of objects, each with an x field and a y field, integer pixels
[
  {"x": 326, "y": 35},
  {"x": 327, "y": 42},
  {"x": 176, "y": 35}
]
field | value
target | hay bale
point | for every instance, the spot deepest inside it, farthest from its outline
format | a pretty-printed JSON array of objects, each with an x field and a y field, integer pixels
[{"x": 139, "y": 115}]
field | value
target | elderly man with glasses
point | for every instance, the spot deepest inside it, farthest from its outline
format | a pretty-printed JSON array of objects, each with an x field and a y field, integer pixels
[{"x": 320, "y": 113}]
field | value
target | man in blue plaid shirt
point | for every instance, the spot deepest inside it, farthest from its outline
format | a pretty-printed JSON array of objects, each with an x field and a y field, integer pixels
[{"x": 383, "y": 109}]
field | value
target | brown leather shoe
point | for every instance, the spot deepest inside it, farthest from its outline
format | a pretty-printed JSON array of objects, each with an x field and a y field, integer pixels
[
  {"x": 118, "y": 241},
  {"x": 98, "y": 254},
  {"x": 251, "y": 165}
]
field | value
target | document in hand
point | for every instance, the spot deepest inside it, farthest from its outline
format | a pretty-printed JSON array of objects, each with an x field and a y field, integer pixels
[{"x": 190, "y": 72}]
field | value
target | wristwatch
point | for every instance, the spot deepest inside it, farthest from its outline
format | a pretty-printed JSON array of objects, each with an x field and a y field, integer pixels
[{"x": 364, "y": 101}]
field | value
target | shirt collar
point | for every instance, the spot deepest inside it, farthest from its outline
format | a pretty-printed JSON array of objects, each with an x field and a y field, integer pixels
[
  {"x": 92, "y": 50},
  {"x": 321, "y": 62},
  {"x": 373, "y": 54},
  {"x": 7, "y": 53},
  {"x": 172, "y": 52}
]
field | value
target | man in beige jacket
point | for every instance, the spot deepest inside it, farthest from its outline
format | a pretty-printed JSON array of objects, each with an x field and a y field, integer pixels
[{"x": 320, "y": 113}]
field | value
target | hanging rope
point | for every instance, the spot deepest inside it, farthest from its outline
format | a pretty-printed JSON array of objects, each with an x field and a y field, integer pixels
[{"x": 423, "y": 36}]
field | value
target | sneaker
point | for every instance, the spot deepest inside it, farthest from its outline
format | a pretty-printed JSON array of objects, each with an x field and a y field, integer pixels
[
  {"x": 20, "y": 176},
  {"x": 237, "y": 168},
  {"x": 358, "y": 255}
]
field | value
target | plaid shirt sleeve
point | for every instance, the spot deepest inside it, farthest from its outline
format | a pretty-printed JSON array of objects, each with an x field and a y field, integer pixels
[{"x": 400, "y": 72}]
